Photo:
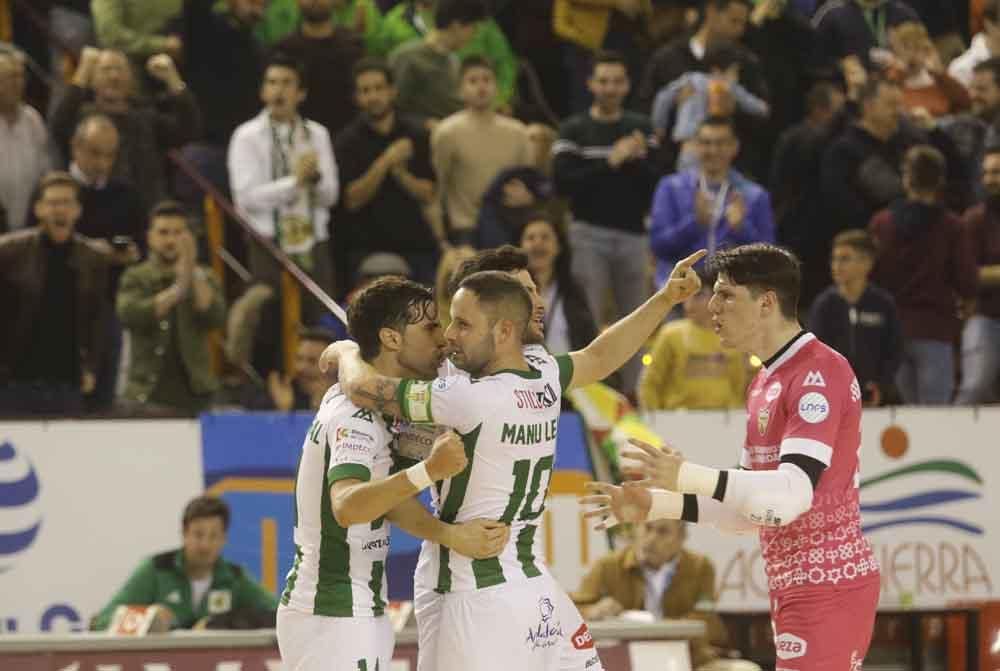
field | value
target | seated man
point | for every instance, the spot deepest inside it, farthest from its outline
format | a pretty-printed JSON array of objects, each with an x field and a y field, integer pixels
[
  {"x": 656, "y": 574},
  {"x": 193, "y": 585}
]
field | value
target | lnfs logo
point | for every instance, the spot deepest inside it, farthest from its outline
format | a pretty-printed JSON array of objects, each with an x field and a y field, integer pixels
[{"x": 20, "y": 514}]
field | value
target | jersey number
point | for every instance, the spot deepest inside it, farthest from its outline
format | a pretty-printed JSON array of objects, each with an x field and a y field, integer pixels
[{"x": 523, "y": 471}]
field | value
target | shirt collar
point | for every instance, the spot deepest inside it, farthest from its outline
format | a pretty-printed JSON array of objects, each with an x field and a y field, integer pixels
[
  {"x": 789, "y": 350},
  {"x": 79, "y": 176}
]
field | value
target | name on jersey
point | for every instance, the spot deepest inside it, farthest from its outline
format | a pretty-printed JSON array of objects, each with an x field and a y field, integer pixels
[
  {"x": 529, "y": 434},
  {"x": 535, "y": 400},
  {"x": 376, "y": 544}
]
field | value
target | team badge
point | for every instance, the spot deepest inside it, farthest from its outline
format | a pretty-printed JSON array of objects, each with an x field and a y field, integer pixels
[
  {"x": 763, "y": 417},
  {"x": 220, "y": 601}
]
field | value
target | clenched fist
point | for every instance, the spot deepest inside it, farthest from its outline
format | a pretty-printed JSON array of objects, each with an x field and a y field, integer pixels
[{"x": 447, "y": 457}]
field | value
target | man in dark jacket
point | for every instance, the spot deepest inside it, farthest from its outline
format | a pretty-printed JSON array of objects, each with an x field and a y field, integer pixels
[
  {"x": 926, "y": 263},
  {"x": 53, "y": 286},
  {"x": 859, "y": 320}
]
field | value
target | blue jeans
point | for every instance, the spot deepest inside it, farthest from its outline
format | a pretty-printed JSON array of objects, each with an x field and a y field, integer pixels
[
  {"x": 980, "y": 360},
  {"x": 927, "y": 374},
  {"x": 608, "y": 260}
]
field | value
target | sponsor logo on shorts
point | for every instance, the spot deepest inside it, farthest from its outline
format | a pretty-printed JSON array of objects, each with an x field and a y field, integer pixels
[
  {"x": 548, "y": 632},
  {"x": 790, "y": 646},
  {"x": 593, "y": 661},
  {"x": 856, "y": 661},
  {"x": 582, "y": 640},
  {"x": 814, "y": 408}
]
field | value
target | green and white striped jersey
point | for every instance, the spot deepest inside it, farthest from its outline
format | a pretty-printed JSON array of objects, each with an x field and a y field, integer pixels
[
  {"x": 508, "y": 422},
  {"x": 338, "y": 572}
]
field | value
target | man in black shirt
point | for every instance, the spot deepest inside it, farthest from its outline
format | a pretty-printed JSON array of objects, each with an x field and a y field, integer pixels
[
  {"x": 859, "y": 320},
  {"x": 384, "y": 163},
  {"x": 328, "y": 53}
]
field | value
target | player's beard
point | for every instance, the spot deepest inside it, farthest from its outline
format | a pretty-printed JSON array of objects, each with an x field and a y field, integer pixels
[{"x": 475, "y": 359}]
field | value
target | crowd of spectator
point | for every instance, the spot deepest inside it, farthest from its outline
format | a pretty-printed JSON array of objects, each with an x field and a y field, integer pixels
[{"x": 608, "y": 139}]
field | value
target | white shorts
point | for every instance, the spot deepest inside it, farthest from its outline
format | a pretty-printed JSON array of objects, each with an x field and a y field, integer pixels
[
  {"x": 319, "y": 643},
  {"x": 531, "y": 625}
]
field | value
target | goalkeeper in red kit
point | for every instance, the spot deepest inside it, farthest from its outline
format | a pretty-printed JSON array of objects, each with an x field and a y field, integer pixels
[{"x": 797, "y": 484}]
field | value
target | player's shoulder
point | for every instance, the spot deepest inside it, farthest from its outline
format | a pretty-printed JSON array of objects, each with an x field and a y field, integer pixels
[
  {"x": 820, "y": 368},
  {"x": 337, "y": 410}
]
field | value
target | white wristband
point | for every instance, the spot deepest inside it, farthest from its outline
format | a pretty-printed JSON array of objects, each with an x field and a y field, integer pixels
[
  {"x": 666, "y": 505},
  {"x": 418, "y": 477},
  {"x": 696, "y": 479}
]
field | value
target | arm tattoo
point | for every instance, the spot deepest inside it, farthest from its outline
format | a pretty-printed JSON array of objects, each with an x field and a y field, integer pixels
[{"x": 381, "y": 392}]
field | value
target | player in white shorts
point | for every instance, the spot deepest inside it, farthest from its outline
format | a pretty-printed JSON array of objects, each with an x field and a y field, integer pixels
[
  {"x": 507, "y": 611},
  {"x": 332, "y": 612}
]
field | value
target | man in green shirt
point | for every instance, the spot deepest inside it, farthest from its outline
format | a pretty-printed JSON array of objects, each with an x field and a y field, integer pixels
[
  {"x": 283, "y": 17},
  {"x": 193, "y": 583}
]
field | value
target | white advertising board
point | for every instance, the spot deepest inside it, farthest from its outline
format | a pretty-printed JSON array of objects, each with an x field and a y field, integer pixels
[
  {"x": 930, "y": 505},
  {"x": 81, "y": 504}
]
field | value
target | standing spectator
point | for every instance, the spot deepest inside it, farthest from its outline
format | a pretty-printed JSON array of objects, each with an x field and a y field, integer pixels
[
  {"x": 795, "y": 188},
  {"x": 411, "y": 19},
  {"x": 53, "y": 286},
  {"x": 223, "y": 63},
  {"x": 859, "y": 320},
  {"x": 24, "y": 139},
  {"x": 103, "y": 83},
  {"x": 657, "y": 574},
  {"x": 168, "y": 304},
  {"x": 927, "y": 265},
  {"x": 328, "y": 52},
  {"x": 514, "y": 194},
  {"x": 926, "y": 85},
  {"x": 284, "y": 177},
  {"x": 856, "y": 28},
  {"x": 470, "y": 148},
  {"x": 193, "y": 586},
  {"x": 385, "y": 166},
  {"x": 425, "y": 70},
  {"x": 361, "y": 17},
  {"x": 710, "y": 207},
  {"x": 111, "y": 213},
  {"x": 604, "y": 165},
  {"x": 569, "y": 324},
  {"x": 980, "y": 128},
  {"x": 688, "y": 367},
  {"x": 138, "y": 28},
  {"x": 985, "y": 45},
  {"x": 981, "y": 334}
]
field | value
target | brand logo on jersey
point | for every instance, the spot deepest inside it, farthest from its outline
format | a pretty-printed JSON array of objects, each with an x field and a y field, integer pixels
[
  {"x": 364, "y": 414},
  {"x": 377, "y": 544},
  {"x": 855, "y": 390},
  {"x": 814, "y": 379},
  {"x": 814, "y": 408},
  {"x": 352, "y": 438},
  {"x": 763, "y": 417},
  {"x": 593, "y": 661},
  {"x": 173, "y": 597},
  {"x": 790, "y": 646},
  {"x": 536, "y": 400},
  {"x": 582, "y": 640},
  {"x": 443, "y": 383},
  {"x": 773, "y": 392},
  {"x": 548, "y": 632},
  {"x": 537, "y": 360},
  {"x": 20, "y": 513},
  {"x": 529, "y": 434}
]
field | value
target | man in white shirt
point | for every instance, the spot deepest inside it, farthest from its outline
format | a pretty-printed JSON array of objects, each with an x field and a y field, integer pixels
[
  {"x": 284, "y": 177},
  {"x": 24, "y": 139},
  {"x": 985, "y": 45}
]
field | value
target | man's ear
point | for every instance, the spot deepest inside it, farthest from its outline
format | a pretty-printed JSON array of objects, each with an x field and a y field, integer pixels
[{"x": 390, "y": 339}]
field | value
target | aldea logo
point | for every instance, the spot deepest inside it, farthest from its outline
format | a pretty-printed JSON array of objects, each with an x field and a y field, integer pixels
[{"x": 20, "y": 513}]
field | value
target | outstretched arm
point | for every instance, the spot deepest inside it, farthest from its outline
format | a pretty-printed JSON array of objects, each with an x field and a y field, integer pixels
[{"x": 610, "y": 350}]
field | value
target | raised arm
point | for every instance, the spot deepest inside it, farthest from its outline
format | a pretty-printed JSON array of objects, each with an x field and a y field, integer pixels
[{"x": 610, "y": 350}]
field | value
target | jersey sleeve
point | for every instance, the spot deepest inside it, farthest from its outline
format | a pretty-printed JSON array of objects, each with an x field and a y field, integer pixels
[
  {"x": 565, "y": 363},
  {"x": 817, "y": 403},
  {"x": 447, "y": 401},
  {"x": 354, "y": 444}
]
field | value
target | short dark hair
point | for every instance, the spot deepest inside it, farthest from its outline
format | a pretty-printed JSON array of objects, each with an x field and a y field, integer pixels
[
  {"x": 723, "y": 5},
  {"x": 205, "y": 506},
  {"x": 506, "y": 259},
  {"x": 857, "y": 239},
  {"x": 283, "y": 59},
  {"x": 719, "y": 122},
  {"x": 926, "y": 167},
  {"x": 608, "y": 57},
  {"x": 388, "y": 302},
  {"x": 991, "y": 149},
  {"x": 371, "y": 64},
  {"x": 56, "y": 178},
  {"x": 820, "y": 96},
  {"x": 317, "y": 334},
  {"x": 991, "y": 65},
  {"x": 992, "y": 11},
  {"x": 872, "y": 87},
  {"x": 501, "y": 295},
  {"x": 722, "y": 54},
  {"x": 168, "y": 208},
  {"x": 761, "y": 267},
  {"x": 476, "y": 61},
  {"x": 448, "y": 12}
]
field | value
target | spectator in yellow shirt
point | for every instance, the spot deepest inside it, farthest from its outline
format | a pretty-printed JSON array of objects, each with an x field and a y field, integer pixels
[{"x": 688, "y": 366}]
